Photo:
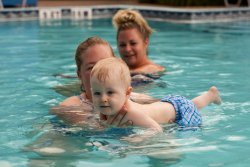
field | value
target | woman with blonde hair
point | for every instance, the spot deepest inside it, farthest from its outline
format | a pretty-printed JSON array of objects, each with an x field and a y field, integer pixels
[{"x": 133, "y": 34}]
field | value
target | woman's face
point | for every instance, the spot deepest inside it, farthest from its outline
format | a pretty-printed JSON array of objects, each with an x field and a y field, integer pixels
[
  {"x": 89, "y": 59},
  {"x": 132, "y": 47}
]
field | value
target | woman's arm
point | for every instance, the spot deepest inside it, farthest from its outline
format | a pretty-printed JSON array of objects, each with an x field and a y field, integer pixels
[
  {"x": 75, "y": 115},
  {"x": 142, "y": 98}
]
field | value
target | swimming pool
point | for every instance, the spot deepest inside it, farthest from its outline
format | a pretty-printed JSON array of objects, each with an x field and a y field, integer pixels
[{"x": 196, "y": 56}]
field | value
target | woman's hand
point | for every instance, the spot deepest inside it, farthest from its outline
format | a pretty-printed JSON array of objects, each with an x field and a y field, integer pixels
[{"x": 120, "y": 119}]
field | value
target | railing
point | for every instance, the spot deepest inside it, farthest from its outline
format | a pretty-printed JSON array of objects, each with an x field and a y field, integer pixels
[
  {"x": 237, "y": 4},
  {"x": 227, "y": 4},
  {"x": 1, "y": 4}
]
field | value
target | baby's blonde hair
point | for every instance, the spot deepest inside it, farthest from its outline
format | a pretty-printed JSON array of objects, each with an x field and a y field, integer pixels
[
  {"x": 127, "y": 18},
  {"x": 111, "y": 67}
]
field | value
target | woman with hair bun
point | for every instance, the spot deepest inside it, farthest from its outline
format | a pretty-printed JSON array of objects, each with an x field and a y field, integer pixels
[{"x": 133, "y": 34}]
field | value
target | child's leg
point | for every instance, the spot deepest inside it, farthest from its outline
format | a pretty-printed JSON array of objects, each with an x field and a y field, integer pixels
[{"x": 211, "y": 96}]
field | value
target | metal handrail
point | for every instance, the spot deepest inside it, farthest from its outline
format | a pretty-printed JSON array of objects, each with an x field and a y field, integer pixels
[
  {"x": 24, "y": 3},
  {"x": 227, "y": 4},
  {"x": 1, "y": 4}
]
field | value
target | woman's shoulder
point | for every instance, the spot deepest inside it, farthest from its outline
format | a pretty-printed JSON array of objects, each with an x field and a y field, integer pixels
[
  {"x": 150, "y": 68},
  {"x": 71, "y": 101},
  {"x": 154, "y": 68}
]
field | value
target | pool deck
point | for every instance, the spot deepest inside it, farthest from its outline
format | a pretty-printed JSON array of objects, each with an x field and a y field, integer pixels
[{"x": 47, "y": 10}]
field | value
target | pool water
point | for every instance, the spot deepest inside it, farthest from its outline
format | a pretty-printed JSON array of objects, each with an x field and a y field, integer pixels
[{"x": 196, "y": 57}]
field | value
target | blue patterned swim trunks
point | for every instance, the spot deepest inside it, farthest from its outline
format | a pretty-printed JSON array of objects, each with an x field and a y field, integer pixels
[{"x": 186, "y": 112}]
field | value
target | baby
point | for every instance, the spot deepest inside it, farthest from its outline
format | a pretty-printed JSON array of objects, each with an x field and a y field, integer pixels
[{"x": 110, "y": 84}]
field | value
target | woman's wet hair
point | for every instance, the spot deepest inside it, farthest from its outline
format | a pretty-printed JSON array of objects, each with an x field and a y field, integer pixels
[
  {"x": 128, "y": 19},
  {"x": 82, "y": 48}
]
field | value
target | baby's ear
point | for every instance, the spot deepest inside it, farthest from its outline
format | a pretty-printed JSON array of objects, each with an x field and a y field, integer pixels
[
  {"x": 147, "y": 41},
  {"x": 129, "y": 90}
]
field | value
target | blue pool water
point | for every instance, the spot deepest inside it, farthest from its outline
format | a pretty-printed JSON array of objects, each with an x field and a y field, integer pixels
[{"x": 196, "y": 56}]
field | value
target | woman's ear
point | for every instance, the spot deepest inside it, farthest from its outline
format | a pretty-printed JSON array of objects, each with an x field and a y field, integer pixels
[
  {"x": 129, "y": 90},
  {"x": 78, "y": 74},
  {"x": 79, "y": 77}
]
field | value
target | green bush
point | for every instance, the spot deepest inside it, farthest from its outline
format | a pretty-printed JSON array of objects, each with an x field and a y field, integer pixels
[{"x": 185, "y": 2}]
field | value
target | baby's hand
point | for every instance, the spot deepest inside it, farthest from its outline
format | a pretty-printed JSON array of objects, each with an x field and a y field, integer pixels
[
  {"x": 132, "y": 138},
  {"x": 120, "y": 119}
]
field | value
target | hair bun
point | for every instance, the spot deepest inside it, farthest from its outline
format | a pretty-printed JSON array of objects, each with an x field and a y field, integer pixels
[
  {"x": 128, "y": 18},
  {"x": 124, "y": 17}
]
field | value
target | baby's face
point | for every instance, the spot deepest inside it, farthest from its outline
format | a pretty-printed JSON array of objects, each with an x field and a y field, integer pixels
[{"x": 109, "y": 96}]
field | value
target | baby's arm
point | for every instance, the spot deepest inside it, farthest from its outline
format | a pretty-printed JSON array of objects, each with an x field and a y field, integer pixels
[
  {"x": 119, "y": 119},
  {"x": 143, "y": 120}
]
